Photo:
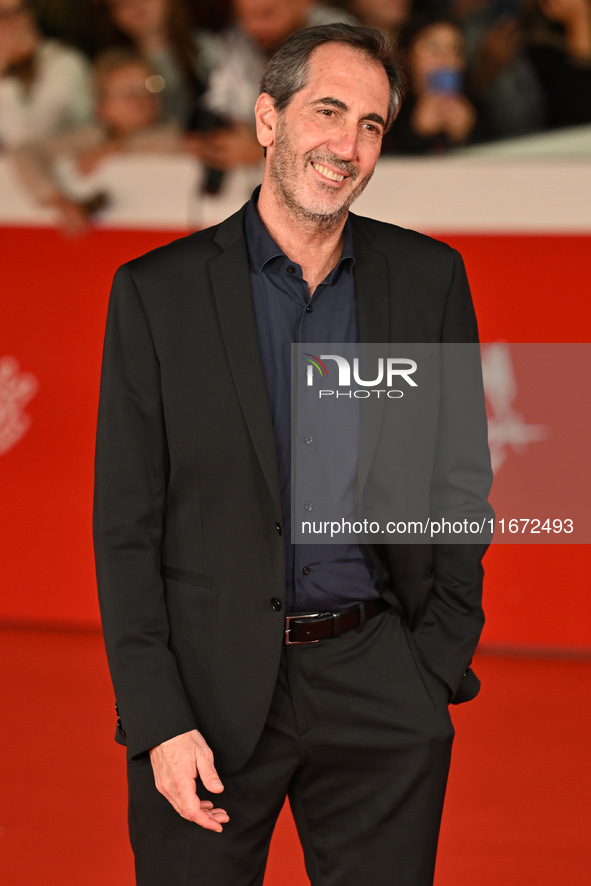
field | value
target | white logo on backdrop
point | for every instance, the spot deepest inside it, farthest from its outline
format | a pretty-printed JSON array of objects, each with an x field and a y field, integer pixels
[
  {"x": 16, "y": 389},
  {"x": 507, "y": 428}
]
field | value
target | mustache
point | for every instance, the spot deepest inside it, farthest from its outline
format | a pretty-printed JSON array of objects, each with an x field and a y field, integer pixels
[{"x": 327, "y": 159}]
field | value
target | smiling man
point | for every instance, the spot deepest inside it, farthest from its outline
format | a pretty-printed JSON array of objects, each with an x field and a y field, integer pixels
[
  {"x": 324, "y": 143},
  {"x": 243, "y": 663}
]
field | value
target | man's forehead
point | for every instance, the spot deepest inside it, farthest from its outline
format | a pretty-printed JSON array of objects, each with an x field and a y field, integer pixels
[
  {"x": 346, "y": 67},
  {"x": 335, "y": 53}
]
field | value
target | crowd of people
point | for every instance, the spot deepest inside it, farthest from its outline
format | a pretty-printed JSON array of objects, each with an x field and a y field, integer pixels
[{"x": 92, "y": 77}]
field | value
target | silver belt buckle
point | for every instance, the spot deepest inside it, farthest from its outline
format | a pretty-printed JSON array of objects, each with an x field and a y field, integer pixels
[{"x": 289, "y": 618}]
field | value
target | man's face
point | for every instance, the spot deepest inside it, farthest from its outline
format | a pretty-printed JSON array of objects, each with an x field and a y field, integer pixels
[
  {"x": 328, "y": 139},
  {"x": 269, "y": 22}
]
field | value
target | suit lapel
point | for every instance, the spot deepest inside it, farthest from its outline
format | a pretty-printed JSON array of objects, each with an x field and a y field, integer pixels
[
  {"x": 372, "y": 289},
  {"x": 372, "y": 294},
  {"x": 230, "y": 274}
]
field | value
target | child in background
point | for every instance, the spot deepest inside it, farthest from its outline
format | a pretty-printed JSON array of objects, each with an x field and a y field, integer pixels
[
  {"x": 128, "y": 119},
  {"x": 164, "y": 32}
]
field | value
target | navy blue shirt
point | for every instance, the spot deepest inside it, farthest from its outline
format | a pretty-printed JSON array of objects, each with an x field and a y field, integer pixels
[{"x": 319, "y": 576}]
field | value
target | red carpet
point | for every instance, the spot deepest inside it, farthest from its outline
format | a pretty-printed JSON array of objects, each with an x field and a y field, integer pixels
[{"x": 517, "y": 813}]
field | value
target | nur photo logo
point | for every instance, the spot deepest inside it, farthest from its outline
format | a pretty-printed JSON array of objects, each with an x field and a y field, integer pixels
[{"x": 385, "y": 372}]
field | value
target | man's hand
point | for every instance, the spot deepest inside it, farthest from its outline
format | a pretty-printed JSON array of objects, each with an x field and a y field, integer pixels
[{"x": 176, "y": 764}]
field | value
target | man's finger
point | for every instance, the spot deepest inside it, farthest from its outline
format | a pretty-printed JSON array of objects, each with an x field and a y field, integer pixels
[
  {"x": 218, "y": 812},
  {"x": 219, "y": 815},
  {"x": 189, "y": 806},
  {"x": 207, "y": 773}
]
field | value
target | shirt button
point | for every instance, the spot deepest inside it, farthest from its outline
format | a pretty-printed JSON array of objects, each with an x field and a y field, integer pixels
[
  {"x": 306, "y": 570},
  {"x": 308, "y": 440},
  {"x": 276, "y": 604},
  {"x": 308, "y": 506},
  {"x": 309, "y": 309},
  {"x": 290, "y": 269},
  {"x": 278, "y": 527}
]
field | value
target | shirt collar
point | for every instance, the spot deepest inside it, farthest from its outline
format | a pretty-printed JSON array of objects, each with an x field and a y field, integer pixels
[{"x": 262, "y": 248}]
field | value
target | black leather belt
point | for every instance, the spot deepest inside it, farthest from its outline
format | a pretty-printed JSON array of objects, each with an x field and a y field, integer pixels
[{"x": 311, "y": 627}]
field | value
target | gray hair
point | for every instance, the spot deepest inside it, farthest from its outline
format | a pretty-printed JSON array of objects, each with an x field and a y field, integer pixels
[{"x": 287, "y": 71}]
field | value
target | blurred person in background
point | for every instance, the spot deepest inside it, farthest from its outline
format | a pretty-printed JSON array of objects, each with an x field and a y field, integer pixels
[
  {"x": 389, "y": 15},
  {"x": 44, "y": 85},
  {"x": 437, "y": 114},
  {"x": 128, "y": 120},
  {"x": 528, "y": 62},
  {"x": 259, "y": 27},
  {"x": 71, "y": 21},
  {"x": 163, "y": 32},
  {"x": 559, "y": 46},
  {"x": 500, "y": 74},
  {"x": 212, "y": 17}
]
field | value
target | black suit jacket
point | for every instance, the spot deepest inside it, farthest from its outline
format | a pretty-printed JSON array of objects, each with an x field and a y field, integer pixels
[{"x": 187, "y": 521}]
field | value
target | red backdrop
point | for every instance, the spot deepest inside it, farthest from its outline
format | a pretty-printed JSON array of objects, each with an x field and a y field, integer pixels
[{"x": 526, "y": 288}]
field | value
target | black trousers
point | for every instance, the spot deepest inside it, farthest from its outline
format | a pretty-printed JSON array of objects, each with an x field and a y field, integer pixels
[{"x": 359, "y": 737}]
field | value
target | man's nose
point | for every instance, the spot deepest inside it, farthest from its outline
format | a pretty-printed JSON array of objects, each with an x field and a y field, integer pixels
[{"x": 344, "y": 143}]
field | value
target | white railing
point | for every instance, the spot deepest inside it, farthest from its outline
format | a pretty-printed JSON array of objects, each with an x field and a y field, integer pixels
[{"x": 510, "y": 186}]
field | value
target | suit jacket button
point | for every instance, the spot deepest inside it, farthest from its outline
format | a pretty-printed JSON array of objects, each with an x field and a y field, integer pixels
[
  {"x": 120, "y": 728},
  {"x": 278, "y": 527},
  {"x": 276, "y": 604}
]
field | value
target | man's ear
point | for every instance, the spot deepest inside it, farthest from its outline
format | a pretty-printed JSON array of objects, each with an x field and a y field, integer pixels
[{"x": 266, "y": 119}]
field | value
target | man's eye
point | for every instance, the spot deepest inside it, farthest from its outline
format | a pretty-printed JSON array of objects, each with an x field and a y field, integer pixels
[{"x": 327, "y": 112}]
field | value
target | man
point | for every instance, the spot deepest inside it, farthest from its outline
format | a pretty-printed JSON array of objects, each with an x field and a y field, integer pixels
[
  {"x": 345, "y": 712},
  {"x": 259, "y": 28}
]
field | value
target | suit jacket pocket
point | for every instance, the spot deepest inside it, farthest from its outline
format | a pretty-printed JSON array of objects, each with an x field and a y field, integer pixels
[{"x": 191, "y": 578}]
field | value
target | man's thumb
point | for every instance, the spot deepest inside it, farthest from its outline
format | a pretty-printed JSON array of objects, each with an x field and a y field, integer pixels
[{"x": 211, "y": 780}]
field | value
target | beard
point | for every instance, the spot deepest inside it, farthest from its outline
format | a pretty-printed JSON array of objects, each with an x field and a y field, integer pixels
[{"x": 287, "y": 169}]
